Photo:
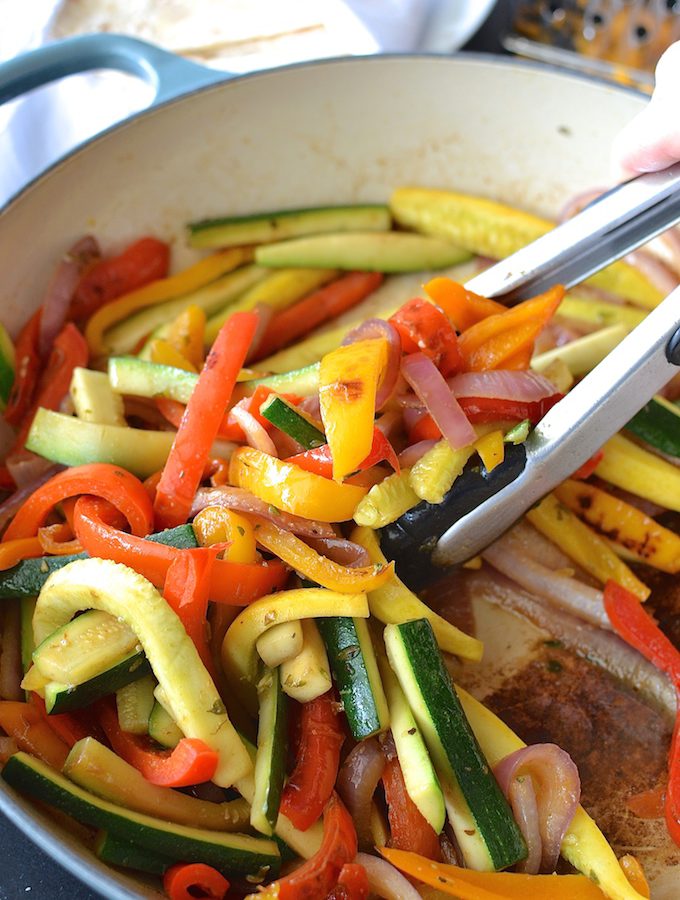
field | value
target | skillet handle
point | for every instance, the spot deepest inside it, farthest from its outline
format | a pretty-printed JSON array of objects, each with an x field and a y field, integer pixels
[{"x": 169, "y": 75}]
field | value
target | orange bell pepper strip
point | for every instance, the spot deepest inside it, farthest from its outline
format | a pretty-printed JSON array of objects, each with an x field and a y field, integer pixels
[
  {"x": 199, "y": 426},
  {"x": 318, "y": 307},
  {"x": 353, "y": 883},
  {"x": 57, "y": 540},
  {"x": 319, "y": 875},
  {"x": 112, "y": 483},
  {"x": 463, "y": 307},
  {"x": 191, "y": 762},
  {"x": 466, "y": 884},
  {"x": 186, "y": 881},
  {"x": 409, "y": 830},
  {"x": 304, "y": 559},
  {"x": 23, "y": 723},
  {"x": 635, "y": 874},
  {"x": 493, "y": 341},
  {"x": 320, "y": 459},
  {"x": 12, "y": 552},
  {"x": 69, "y": 727},
  {"x": 236, "y": 584},
  {"x": 186, "y": 589},
  {"x": 425, "y": 327},
  {"x": 28, "y": 366}
]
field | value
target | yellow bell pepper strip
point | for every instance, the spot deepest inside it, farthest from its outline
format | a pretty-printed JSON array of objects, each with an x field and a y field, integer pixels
[
  {"x": 624, "y": 524},
  {"x": 288, "y": 487},
  {"x": 466, "y": 884},
  {"x": 239, "y": 651},
  {"x": 161, "y": 351},
  {"x": 491, "y": 449},
  {"x": 393, "y": 602},
  {"x": 348, "y": 381},
  {"x": 217, "y": 525},
  {"x": 186, "y": 334},
  {"x": 635, "y": 874},
  {"x": 435, "y": 472},
  {"x": 386, "y": 501},
  {"x": 305, "y": 560},
  {"x": 584, "y": 845},
  {"x": 583, "y": 545},
  {"x": 487, "y": 228},
  {"x": 635, "y": 469},
  {"x": 196, "y": 276}
]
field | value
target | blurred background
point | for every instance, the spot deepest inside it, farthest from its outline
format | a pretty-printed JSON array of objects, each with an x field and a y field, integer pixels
[{"x": 621, "y": 39}]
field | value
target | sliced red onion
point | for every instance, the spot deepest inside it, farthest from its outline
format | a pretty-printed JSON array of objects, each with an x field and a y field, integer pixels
[
  {"x": 61, "y": 288},
  {"x": 410, "y": 456},
  {"x": 10, "y": 506},
  {"x": 311, "y": 406},
  {"x": 26, "y": 467},
  {"x": 386, "y": 881},
  {"x": 558, "y": 792},
  {"x": 412, "y": 417},
  {"x": 570, "y": 595},
  {"x": 285, "y": 445},
  {"x": 265, "y": 314},
  {"x": 7, "y": 748},
  {"x": 654, "y": 269},
  {"x": 539, "y": 548},
  {"x": 357, "y": 780},
  {"x": 388, "y": 422},
  {"x": 428, "y": 383},
  {"x": 410, "y": 401},
  {"x": 522, "y": 799},
  {"x": 500, "y": 384},
  {"x": 342, "y": 551},
  {"x": 379, "y": 328},
  {"x": 243, "y": 501},
  {"x": 255, "y": 434}
]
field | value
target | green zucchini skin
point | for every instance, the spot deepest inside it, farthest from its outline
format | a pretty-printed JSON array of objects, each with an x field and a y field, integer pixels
[
  {"x": 658, "y": 425},
  {"x": 411, "y": 540},
  {"x": 115, "y": 851},
  {"x": 272, "y": 746},
  {"x": 355, "y": 672},
  {"x": 27, "y": 578},
  {"x": 472, "y": 793},
  {"x": 230, "y": 853},
  {"x": 61, "y": 698},
  {"x": 285, "y": 417}
]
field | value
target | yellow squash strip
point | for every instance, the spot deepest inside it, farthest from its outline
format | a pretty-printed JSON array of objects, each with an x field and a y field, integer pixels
[
  {"x": 635, "y": 469},
  {"x": 394, "y": 603},
  {"x": 196, "y": 276},
  {"x": 278, "y": 291},
  {"x": 435, "y": 472},
  {"x": 584, "y": 845},
  {"x": 493, "y": 229},
  {"x": 583, "y": 354},
  {"x": 386, "y": 501},
  {"x": 599, "y": 312},
  {"x": 123, "y": 593},
  {"x": 583, "y": 545},
  {"x": 624, "y": 524},
  {"x": 348, "y": 382},
  {"x": 491, "y": 449},
  {"x": 287, "y": 487},
  {"x": 239, "y": 650},
  {"x": 304, "y": 559}
]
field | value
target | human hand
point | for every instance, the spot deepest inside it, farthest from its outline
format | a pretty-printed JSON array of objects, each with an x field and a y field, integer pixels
[{"x": 651, "y": 141}]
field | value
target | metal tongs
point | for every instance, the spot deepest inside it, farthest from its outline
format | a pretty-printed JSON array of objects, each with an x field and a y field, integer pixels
[{"x": 483, "y": 506}]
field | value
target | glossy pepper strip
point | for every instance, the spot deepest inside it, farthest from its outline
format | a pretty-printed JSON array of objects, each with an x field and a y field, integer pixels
[
  {"x": 319, "y": 460},
  {"x": 144, "y": 261},
  {"x": 186, "y": 881},
  {"x": 409, "y": 830},
  {"x": 463, "y": 307},
  {"x": 319, "y": 875},
  {"x": 423, "y": 326},
  {"x": 191, "y": 762},
  {"x": 196, "y": 276},
  {"x": 23, "y": 723},
  {"x": 191, "y": 448},
  {"x": 329, "y": 574},
  {"x": 187, "y": 587},
  {"x": 27, "y": 370},
  {"x": 288, "y": 487},
  {"x": 236, "y": 584},
  {"x": 69, "y": 727},
  {"x": 481, "y": 410},
  {"x": 466, "y": 884},
  {"x": 311, "y": 784},
  {"x": 12, "y": 552},
  {"x": 217, "y": 525},
  {"x": 348, "y": 382},
  {"x": 112, "y": 483}
]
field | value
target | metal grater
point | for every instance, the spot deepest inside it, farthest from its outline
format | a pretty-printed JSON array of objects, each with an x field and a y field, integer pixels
[{"x": 621, "y": 39}]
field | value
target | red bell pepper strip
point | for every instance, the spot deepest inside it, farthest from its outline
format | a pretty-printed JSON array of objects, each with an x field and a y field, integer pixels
[
  {"x": 632, "y": 623},
  {"x": 493, "y": 409},
  {"x": 191, "y": 761},
  {"x": 589, "y": 466},
  {"x": 201, "y": 421},
  {"x": 318, "y": 307},
  {"x": 234, "y": 583},
  {"x": 187, "y": 881},
  {"x": 319, "y": 875},
  {"x": 319, "y": 460},
  {"x": 409, "y": 829},
  {"x": 423, "y": 326},
  {"x": 27, "y": 372},
  {"x": 312, "y": 782},
  {"x": 353, "y": 883},
  {"x": 69, "y": 727},
  {"x": 24, "y": 723},
  {"x": 144, "y": 261},
  {"x": 186, "y": 589},
  {"x": 425, "y": 429},
  {"x": 114, "y": 484}
]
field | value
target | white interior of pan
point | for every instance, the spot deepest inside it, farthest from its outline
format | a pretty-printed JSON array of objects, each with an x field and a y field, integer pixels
[{"x": 319, "y": 134}]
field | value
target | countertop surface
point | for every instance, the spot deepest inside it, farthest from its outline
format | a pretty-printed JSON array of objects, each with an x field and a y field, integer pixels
[{"x": 26, "y": 870}]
